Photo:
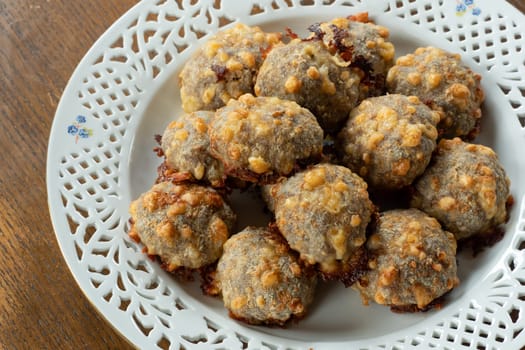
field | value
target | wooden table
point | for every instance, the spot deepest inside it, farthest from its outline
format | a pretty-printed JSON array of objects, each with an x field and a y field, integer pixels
[{"x": 41, "y": 42}]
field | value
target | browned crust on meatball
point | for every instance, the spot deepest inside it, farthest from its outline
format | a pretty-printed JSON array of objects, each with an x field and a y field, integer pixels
[
  {"x": 435, "y": 304},
  {"x": 323, "y": 213},
  {"x": 349, "y": 271},
  {"x": 209, "y": 283},
  {"x": 478, "y": 243},
  {"x": 465, "y": 187},
  {"x": 307, "y": 73},
  {"x": 442, "y": 82},
  {"x": 181, "y": 273},
  {"x": 259, "y": 139},
  {"x": 185, "y": 225},
  {"x": 185, "y": 147},
  {"x": 269, "y": 285},
  {"x": 167, "y": 174},
  {"x": 269, "y": 322},
  {"x": 251, "y": 176},
  {"x": 224, "y": 67},
  {"x": 412, "y": 261},
  {"x": 362, "y": 44},
  {"x": 389, "y": 140}
]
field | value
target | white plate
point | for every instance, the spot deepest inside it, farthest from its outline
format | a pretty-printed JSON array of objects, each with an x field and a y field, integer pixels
[{"x": 125, "y": 90}]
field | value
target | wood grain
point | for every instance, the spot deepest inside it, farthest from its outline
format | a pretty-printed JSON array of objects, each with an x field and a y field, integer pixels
[
  {"x": 41, "y": 42},
  {"x": 519, "y": 4}
]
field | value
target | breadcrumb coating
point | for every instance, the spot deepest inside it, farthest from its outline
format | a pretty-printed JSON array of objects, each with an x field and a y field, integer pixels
[
  {"x": 442, "y": 82},
  {"x": 412, "y": 261},
  {"x": 465, "y": 188},
  {"x": 266, "y": 285}
]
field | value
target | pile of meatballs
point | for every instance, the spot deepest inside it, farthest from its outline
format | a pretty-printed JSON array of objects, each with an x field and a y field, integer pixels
[{"x": 365, "y": 161}]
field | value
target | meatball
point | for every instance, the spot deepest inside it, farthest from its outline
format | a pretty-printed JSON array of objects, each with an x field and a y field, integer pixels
[
  {"x": 442, "y": 82},
  {"x": 389, "y": 140},
  {"x": 184, "y": 225},
  {"x": 363, "y": 45},
  {"x": 306, "y": 72},
  {"x": 323, "y": 213},
  {"x": 266, "y": 285},
  {"x": 465, "y": 188},
  {"x": 185, "y": 144},
  {"x": 261, "y": 137},
  {"x": 268, "y": 193},
  {"x": 412, "y": 261},
  {"x": 224, "y": 67}
]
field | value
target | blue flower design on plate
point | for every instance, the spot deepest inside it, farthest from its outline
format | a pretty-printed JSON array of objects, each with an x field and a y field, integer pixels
[
  {"x": 83, "y": 133},
  {"x": 72, "y": 130},
  {"x": 476, "y": 11},
  {"x": 462, "y": 6},
  {"x": 78, "y": 130}
]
